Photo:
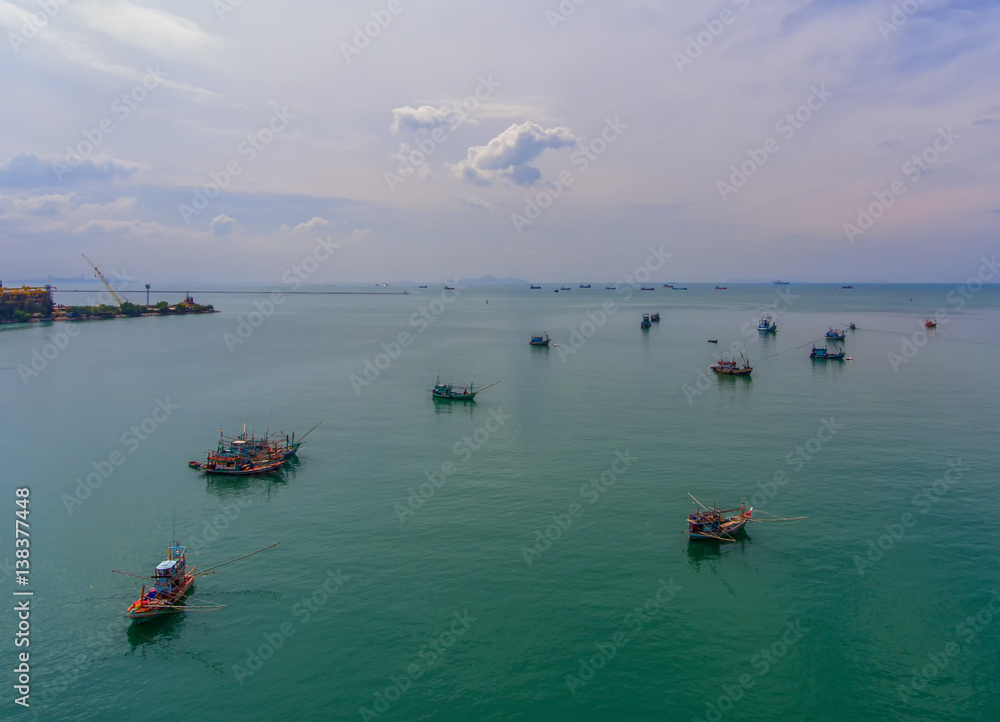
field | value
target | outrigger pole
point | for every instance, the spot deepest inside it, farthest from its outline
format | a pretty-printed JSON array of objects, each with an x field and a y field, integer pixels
[
  {"x": 309, "y": 432},
  {"x": 209, "y": 570},
  {"x": 698, "y": 502},
  {"x": 488, "y": 387}
]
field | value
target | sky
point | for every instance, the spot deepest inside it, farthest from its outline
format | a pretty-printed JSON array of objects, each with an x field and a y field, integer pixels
[{"x": 422, "y": 140}]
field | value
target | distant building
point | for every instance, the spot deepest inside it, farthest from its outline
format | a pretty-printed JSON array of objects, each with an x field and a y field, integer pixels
[{"x": 29, "y": 299}]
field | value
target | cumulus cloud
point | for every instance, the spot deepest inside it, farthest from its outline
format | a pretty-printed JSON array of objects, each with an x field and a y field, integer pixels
[
  {"x": 28, "y": 170},
  {"x": 313, "y": 225},
  {"x": 507, "y": 156},
  {"x": 222, "y": 225},
  {"x": 426, "y": 117}
]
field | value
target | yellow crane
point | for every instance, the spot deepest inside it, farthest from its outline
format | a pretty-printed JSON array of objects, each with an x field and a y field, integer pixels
[{"x": 107, "y": 284}]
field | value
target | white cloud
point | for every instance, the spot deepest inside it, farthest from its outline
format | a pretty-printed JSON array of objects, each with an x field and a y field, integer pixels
[
  {"x": 313, "y": 225},
  {"x": 474, "y": 203},
  {"x": 426, "y": 117},
  {"x": 507, "y": 156},
  {"x": 222, "y": 225}
]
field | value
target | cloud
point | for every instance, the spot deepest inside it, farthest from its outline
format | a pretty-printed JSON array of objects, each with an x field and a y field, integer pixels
[
  {"x": 507, "y": 156},
  {"x": 311, "y": 226},
  {"x": 426, "y": 117},
  {"x": 151, "y": 30},
  {"x": 222, "y": 225},
  {"x": 474, "y": 203},
  {"x": 27, "y": 170},
  {"x": 126, "y": 228}
]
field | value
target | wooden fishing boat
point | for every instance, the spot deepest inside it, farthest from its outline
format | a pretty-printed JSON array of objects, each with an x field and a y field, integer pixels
[
  {"x": 715, "y": 524},
  {"x": 540, "y": 340},
  {"x": 239, "y": 465},
  {"x": 655, "y": 317},
  {"x": 453, "y": 392},
  {"x": 825, "y": 354},
  {"x": 835, "y": 334},
  {"x": 645, "y": 323},
  {"x": 732, "y": 368},
  {"x": 171, "y": 582},
  {"x": 767, "y": 324}
]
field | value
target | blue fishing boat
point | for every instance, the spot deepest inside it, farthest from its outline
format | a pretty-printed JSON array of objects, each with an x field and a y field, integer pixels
[
  {"x": 535, "y": 288},
  {"x": 646, "y": 323},
  {"x": 540, "y": 340},
  {"x": 714, "y": 524},
  {"x": 825, "y": 354},
  {"x": 453, "y": 392},
  {"x": 835, "y": 334},
  {"x": 767, "y": 324}
]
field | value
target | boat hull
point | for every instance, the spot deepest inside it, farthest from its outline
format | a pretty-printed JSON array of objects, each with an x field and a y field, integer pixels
[{"x": 142, "y": 612}]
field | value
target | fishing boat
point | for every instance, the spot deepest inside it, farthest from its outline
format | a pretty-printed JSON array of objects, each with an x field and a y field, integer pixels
[
  {"x": 564, "y": 288},
  {"x": 655, "y": 317},
  {"x": 668, "y": 285},
  {"x": 847, "y": 286},
  {"x": 732, "y": 368},
  {"x": 237, "y": 465},
  {"x": 610, "y": 288},
  {"x": 835, "y": 334},
  {"x": 715, "y": 524},
  {"x": 679, "y": 288},
  {"x": 449, "y": 288},
  {"x": 767, "y": 324},
  {"x": 645, "y": 323},
  {"x": 713, "y": 340},
  {"x": 421, "y": 286},
  {"x": 584, "y": 285},
  {"x": 930, "y": 323},
  {"x": 825, "y": 354},
  {"x": 171, "y": 582},
  {"x": 452, "y": 392},
  {"x": 721, "y": 288},
  {"x": 643, "y": 288},
  {"x": 852, "y": 327},
  {"x": 540, "y": 340},
  {"x": 535, "y": 288}
]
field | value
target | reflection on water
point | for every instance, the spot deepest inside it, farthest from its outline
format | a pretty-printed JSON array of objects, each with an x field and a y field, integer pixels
[{"x": 164, "y": 628}]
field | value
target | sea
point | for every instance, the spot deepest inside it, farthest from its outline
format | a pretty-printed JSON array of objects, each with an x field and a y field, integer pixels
[{"x": 525, "y": 556}]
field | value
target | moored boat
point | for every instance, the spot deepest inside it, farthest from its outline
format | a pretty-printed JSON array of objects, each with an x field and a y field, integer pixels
[
  {"x": 655, "y": 317},
  {"x": 643, "y": 288},
  {"x": 645, "y": 323},
  {"x": 930, "y": 323},
  {"x": 835, "y": 334},
  {"x": 721, "y": 288},
  {"x": 584, "y": 285},
  {"x": 453, "y": 392},
  {"x": 732, "y": 368},
  {"x": 535, "y": 288},
  {"x": 540, "y": 340},
  {"x": 171, "y": 581},
  {"x": 767, "y": 324},
  {"x": 826, "y": 354},
  {"x": 715, "y": 524}
]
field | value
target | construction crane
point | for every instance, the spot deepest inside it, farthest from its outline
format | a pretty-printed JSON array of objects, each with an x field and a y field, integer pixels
[{"x": 107, "y": 284}]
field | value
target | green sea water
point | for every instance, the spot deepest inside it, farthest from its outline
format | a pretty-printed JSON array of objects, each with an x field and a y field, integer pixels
[{"x": 523, "y": 557}]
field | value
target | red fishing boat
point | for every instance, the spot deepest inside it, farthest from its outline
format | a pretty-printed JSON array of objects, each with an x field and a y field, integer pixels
[{"x": 732, "y": 368}]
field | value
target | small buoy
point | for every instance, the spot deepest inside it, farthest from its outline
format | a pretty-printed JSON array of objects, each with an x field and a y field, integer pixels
[{"x": 849, "y": 358}]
